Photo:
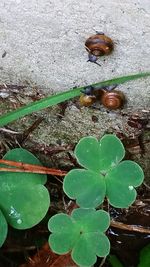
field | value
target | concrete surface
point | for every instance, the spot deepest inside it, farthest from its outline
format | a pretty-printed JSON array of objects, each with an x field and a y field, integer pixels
[{"x": 42, "y": 43}]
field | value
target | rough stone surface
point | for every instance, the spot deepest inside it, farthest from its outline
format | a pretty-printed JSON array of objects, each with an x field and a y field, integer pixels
[{"x": 42, "y": 43}]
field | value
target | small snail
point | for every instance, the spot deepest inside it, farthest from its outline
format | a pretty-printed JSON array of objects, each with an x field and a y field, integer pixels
[
  {"x": 112, "y": 99},
  {"x": 87, "y": 100},
  {"x": 98, "y": 45}
]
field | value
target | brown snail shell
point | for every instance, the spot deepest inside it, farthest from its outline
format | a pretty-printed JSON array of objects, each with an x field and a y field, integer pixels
[
  {"x": 99, "y": 45},
  {"x": 113, "y": 99},
  {"x": 87, "y": 100}
]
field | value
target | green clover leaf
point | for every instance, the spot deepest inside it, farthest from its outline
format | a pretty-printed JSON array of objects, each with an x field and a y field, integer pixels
[
  {"x": 24, "y": 200},
  {"x": 82, "y": 233},
  {"x": 104, "y": 174},
  {"x": 3, "y": 228}
]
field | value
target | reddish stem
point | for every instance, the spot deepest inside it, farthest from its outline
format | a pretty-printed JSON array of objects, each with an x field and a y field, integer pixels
[{"x": 25, "y": 167}]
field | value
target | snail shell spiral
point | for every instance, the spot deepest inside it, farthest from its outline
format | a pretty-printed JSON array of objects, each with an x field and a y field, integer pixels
[
  {"x": 99, "y": 45},
  {"x": 113, "y": 100}
]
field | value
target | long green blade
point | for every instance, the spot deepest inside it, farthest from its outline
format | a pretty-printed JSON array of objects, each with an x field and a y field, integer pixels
[{"x": 61, "y": 97}]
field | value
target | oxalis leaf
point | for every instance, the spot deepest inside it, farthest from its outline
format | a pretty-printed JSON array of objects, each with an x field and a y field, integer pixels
[
  {"x": 24, "y": 200},
  {"x": 104, "y": 174},
  {"x": 82, "y": 234},
  {"x": 3, "y": 228}
]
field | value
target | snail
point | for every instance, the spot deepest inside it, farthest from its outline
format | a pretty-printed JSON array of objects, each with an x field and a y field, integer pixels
[
  {"x": 87, "y": 100},
  {"x": 88, "y": 97},
  {"x": 112, "y": 99},
  {"x": 98, "y": 45}
]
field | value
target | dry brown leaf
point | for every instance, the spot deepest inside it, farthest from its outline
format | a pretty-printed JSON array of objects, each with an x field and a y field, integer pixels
[{"x": 46, "y": 258}]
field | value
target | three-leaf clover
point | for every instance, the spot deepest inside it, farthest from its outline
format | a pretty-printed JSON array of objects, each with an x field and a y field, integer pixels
[
  {"x": 82, "y": 234},
  {"x": 104, "y": 175}
]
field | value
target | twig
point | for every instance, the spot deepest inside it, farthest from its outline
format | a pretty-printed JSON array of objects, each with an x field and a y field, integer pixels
[
  {"x": 28, "y": 131},
  {"x": 147, "y": 186},
  {"x": 129, "y": 227},
  {"x": 48, "y": 171},
  {"x": 9, "y": 131},
  {"x": 24, "y": 167}
]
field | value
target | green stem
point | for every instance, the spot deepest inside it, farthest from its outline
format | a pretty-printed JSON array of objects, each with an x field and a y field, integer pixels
[{"x": 61, "y": 97}]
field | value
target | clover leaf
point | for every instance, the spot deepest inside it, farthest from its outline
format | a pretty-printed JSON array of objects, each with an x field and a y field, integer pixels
[
  {"x": 3, "y": 228},
  {"x": 104, "y": 174},
  {"x": 24, "y": 200},
  {"x": 82, "y": 234}
]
